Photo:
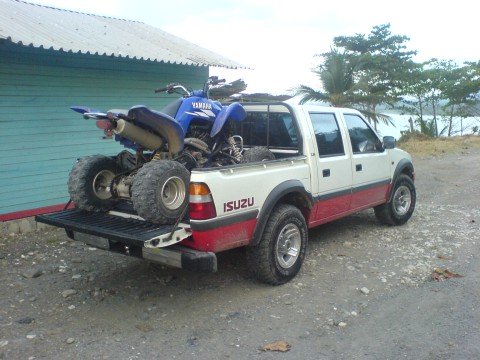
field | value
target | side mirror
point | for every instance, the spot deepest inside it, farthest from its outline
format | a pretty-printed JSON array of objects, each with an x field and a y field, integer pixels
[{"x": 389, "y": 142}]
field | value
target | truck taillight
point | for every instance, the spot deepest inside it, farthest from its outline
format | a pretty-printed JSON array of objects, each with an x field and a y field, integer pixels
[{"x": 201, "y": 202}]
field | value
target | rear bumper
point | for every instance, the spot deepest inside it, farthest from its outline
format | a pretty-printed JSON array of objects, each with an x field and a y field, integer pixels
[
  {"x": 176, "y": 255},
  {"x": 182, "y": 257}
]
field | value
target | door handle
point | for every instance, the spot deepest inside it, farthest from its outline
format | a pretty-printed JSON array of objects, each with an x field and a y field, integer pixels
[
  {"x": 326, "y": 172},
  {"x": 358, "y": 167}
]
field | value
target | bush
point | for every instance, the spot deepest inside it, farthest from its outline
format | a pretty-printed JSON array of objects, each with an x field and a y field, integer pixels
[{"x": 412, "y": 136}]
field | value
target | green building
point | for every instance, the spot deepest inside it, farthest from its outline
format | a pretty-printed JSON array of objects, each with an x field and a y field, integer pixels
[{"x": 51, "y": 59}]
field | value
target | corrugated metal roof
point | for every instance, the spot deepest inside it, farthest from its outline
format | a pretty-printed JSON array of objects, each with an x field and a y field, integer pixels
[{"x": 41, "y": 26}]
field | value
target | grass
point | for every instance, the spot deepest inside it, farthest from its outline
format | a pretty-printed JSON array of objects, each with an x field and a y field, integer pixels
[{"x": 424, "y": 146}]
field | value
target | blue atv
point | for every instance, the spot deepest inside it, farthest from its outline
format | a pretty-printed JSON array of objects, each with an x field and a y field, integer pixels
[{"x": 191, "y": 132}]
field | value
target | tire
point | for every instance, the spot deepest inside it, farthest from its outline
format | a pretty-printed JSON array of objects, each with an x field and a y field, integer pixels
[
  {"x": 160, "y": 191},
  {"x": 402, "y": 204},
  {"x": 258, "y": 153},
  {"x": 267, "y": 261},
  {"x": 89, "y": 183}
]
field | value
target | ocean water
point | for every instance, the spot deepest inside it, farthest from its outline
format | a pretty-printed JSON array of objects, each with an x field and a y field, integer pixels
[{"x": 460, "y": 126}]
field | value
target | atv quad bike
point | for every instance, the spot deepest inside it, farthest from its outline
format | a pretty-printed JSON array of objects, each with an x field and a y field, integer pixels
[{"x": 191, "y": 132}]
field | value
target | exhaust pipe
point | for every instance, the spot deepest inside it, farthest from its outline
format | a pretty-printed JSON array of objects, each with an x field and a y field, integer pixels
[{"x": 137, "y": 134}]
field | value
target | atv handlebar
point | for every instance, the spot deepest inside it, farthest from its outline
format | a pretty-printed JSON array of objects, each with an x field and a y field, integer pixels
[{"x": 170, "y": 88}]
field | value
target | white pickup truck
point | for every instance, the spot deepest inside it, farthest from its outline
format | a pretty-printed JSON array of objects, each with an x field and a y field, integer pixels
[{"x": 329, "y": 163}]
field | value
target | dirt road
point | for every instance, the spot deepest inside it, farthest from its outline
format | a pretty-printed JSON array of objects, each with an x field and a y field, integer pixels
[{"x": 365, "y": 291}]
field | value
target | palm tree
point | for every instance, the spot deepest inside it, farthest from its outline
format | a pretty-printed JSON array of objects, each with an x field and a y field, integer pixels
[
  {"x": 345, "y": 84},
  {"x": 337, "y": 77}
]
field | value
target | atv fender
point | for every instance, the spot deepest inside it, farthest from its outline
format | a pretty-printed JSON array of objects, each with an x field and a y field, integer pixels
[
  {"x": 159, "y": 123},
  {"x": 233, "y": 111}
]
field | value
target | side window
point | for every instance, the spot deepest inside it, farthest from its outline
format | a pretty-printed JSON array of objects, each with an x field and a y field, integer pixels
[
  {"x": 327, "y": 134},
  {"x": 363, "y": 139}
]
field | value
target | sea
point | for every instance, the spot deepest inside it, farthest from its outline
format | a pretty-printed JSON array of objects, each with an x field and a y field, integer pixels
[{"x": 401, "y": 123}]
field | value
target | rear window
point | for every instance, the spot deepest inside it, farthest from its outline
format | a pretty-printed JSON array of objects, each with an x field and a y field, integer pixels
[{"x": 268, "y": 129}]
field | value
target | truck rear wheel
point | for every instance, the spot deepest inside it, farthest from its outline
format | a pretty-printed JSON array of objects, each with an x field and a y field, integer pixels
[
  {"x": 279, "y": 255},
  {"x": 159, "y": 191},
  {"x": 402, "y": 204},
  {"x": 89, "y": 183}
]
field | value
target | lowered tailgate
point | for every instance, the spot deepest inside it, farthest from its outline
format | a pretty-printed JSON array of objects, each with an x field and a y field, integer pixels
[{"x": 130, "y": 235}]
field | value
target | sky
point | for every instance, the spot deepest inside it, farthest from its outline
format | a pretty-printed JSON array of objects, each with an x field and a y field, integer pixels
[{"x": 279, "y": 40}]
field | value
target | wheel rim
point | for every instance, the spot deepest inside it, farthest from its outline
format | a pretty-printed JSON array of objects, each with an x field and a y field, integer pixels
[
  {"x": 402, "y": 200},
  {"x": 288, "y": 245},
  {"x": 173, "y": 193},
  {"x": 101, "y": 184}
]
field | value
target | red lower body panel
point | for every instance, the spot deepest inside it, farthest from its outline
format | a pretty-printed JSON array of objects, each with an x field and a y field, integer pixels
[
  {"x": 325, "y": 208},
  {"x": 369, "y": 196},
  {"x": 332, "y": 209},
  {"x": 222, "y": 238}
]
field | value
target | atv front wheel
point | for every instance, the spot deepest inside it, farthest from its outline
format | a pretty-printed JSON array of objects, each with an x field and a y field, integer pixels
[
  {"x": 89, "y": 183},
  {"x": 159, "y": 191}
]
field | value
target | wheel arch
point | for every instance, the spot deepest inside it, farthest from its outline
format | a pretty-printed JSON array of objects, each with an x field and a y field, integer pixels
[
  {"x": 288, "y": 192},
  {"x": 404, "y": 167}
]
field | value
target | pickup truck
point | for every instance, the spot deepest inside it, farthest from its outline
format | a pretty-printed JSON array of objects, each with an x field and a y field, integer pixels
[{"x": 329, "y": 163}]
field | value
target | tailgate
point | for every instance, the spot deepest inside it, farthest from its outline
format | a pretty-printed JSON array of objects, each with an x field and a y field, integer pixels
[
  {"x": 118, "y": 227},
  {"x": 130, "y": 235}
]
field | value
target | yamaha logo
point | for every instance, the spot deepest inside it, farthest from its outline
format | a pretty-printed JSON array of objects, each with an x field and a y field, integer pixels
[{"x": 201, "y": 105}]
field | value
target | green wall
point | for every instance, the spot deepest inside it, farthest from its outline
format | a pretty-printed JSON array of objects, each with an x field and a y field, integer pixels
[{"x": 40, "y": 137}]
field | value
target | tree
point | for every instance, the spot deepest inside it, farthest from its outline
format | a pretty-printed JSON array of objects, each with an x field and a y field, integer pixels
[
  {"x": 383, "y": 61},
  {"x": 362, "y": 71},
  {"x": 337, "y": 77},
  {"x": 414, "y": 87},
  {"x": 461, "y": 90},
  {"x": 443, "y": 89}
]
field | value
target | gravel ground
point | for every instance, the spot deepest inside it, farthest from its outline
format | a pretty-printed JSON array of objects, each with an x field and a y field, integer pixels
[{"x": 365, "y": 291}]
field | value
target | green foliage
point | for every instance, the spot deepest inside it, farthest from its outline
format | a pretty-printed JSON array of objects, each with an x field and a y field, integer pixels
[
  {"x": 427, "y": 127},
  {"x": 442, "y": 88},
  {"x": 337, "y": 76},
  {"x": 362, "y": 71},
  {"x": 366, "y": 71}
]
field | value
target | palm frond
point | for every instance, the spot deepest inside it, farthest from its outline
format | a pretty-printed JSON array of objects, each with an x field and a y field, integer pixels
[
  {"x": 310, "y": 94},
  {"x": 376, "y": 117}
]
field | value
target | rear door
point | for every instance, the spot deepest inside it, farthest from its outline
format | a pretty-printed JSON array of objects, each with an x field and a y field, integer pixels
[
  {"x": 370, "y": 163},
  {"x": 333, "y": 164}
]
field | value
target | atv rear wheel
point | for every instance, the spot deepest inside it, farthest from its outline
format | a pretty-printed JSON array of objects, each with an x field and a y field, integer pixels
[
  {"x": 159, "y": 191},
  {"x": 258, "y": 153},
  {"x": 89, "y": 183}
]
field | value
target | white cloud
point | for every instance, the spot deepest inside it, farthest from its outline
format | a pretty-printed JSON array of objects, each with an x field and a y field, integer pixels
[{"x": 279, "y": 39}]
